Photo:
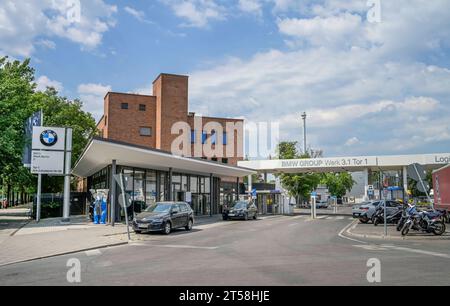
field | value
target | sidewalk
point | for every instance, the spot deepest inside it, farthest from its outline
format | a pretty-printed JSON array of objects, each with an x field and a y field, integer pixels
[
  {"x": 15, "y": 212},
  {"x": 50, "y": 238},
  {"x": 28, "y": 240},
  {"x": 377, "y": 232}
]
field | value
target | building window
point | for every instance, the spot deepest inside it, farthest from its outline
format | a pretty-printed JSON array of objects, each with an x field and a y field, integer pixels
[
  {"x": 146, "y": 131},
  {"x": 225, "y": 138},
  {"x": 214, "y": 159},
  {"x": 124, "y": 106},
  {"x": 224, "y": 160},
  {"x": 204, "y": 136},
  {"x": 193, "y": 136},
  {"x": 142, "y": 107}
]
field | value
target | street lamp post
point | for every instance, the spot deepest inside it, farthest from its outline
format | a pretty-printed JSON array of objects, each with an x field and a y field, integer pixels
[{"x": 304, "y": 132}]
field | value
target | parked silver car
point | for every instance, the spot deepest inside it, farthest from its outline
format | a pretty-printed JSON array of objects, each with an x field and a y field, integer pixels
[
  {"x": 365, "y": 211},
  {"x": 322, "y": 204}
]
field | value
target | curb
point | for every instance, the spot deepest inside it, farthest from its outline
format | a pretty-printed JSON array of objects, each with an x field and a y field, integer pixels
[
  {"x": 65, "y": 253},
  {"x": 389, "y": 237},
  {"x": 19, "y": 228}
]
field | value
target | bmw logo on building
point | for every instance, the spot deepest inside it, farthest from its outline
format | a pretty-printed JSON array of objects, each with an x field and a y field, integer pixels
[{"x": 49, "y": 138}]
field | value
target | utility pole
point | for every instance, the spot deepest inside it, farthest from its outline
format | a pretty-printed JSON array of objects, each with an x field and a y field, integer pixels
[{"x": 304, "y": 132}]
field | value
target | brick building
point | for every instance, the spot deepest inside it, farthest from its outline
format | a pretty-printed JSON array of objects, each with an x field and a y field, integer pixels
[
  {"x": 147, "y": 120},
  {"x": 135, "y": 139}
]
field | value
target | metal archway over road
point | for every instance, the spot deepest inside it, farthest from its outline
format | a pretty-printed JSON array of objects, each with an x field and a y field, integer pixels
[{"x": 350, "y": 164}]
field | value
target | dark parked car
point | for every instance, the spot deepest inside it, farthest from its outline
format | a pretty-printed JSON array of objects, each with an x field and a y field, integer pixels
[
  {"x": 241, "y": 210},
  {"x": 164, "y": 217}
]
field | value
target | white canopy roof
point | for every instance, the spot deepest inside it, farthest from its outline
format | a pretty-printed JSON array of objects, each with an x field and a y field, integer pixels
[
  {"x": 100, "y": 153},
  {"x": 351, "y": 164}
]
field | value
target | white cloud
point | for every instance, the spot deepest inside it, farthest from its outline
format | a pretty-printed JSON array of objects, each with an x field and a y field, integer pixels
[
  {"x": 139, "y": 15},
  {"x": 344, "y": 92},
  {"x": 27, "y": 23},
  {"x": 323, "y": 31},
  {"x": 197, "y": 13},
  {"x": 375, "y": 87},
  {"x": 251, "y": 6},
  {"x": 352, "y": 141},
  {"x": 43, "y": 82},
  {"x": 92, "y": 96}
]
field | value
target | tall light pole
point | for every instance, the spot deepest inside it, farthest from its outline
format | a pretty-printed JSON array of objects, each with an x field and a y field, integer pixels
[{"x": 304, "y": 132}]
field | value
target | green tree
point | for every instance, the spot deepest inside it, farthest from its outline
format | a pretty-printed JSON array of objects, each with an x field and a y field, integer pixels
[
  {"x": 338, "y": 183},
  {"x": 62, "y": 112},
  {"x": 298, "y": 185},
  {"x": 16, "y": 100}
]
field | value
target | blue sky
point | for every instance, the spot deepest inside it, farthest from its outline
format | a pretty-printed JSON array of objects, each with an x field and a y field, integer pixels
[{"x": 368, "y": 87}]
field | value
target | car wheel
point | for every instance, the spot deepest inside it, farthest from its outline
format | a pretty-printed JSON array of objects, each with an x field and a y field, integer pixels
[
  {"x": 189, "y": 225},
  {"x": 364, "y": 220},
  {"x": 255, "y": 217},
  {"x": 167, "y": 228},
  {"x": 225, "y": 218},
  {"x": 138, "y": 232}
]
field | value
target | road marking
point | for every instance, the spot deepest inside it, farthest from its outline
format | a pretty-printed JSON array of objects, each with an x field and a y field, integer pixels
[
  {"x": 293, "y": 224},
  {"x": 371, "y": 247},
  {"x": 321, "y": 217},
  {"x": 93, "y": 253},
  {"x": 340, "y": 218},
  {"x": 341, "y": 234},
  {"x": 105, "y": 264},
  {"x": 429, "y": 253},
  {"x": 185, "y": 247},
  {"x": 299, "y": 217}
]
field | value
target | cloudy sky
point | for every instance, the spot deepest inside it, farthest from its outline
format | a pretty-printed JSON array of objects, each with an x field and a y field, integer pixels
[{"x": 368, "y": 87}]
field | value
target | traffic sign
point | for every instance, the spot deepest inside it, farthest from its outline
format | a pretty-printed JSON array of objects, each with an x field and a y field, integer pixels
[{"x": 416, "y": 172}]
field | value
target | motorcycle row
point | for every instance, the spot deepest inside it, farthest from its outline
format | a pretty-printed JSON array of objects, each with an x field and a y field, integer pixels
[{"x": 408, "y": 218}]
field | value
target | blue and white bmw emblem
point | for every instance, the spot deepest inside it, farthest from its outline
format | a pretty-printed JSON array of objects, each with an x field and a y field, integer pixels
[{"x": 49, "y": 138}]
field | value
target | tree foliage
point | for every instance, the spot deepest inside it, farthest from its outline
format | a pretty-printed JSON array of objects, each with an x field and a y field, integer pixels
[
  {"x": 338, "y": 183},
  {"x": 18, "y": 101},
  {"x": 298, "y": 185}
]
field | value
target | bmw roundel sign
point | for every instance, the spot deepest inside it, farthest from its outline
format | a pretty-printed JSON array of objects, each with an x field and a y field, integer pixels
[{"x": 48, "y": 138}]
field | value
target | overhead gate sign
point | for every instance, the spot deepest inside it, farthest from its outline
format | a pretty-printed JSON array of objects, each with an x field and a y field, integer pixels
[{"x": 48, "y": 150}]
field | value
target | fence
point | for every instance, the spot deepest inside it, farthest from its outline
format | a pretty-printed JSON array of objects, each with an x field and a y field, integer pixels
[{"x": 52, "y": 205}]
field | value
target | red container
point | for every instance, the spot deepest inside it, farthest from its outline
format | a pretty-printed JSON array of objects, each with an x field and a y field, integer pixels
[{"x": 441, "y": 187}]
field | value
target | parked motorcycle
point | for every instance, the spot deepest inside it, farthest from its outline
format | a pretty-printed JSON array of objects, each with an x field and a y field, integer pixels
[
  {"x": 391, "y": 218},
  {"x": 427, "y": 222},
  {"x": 406, "y": 212}
]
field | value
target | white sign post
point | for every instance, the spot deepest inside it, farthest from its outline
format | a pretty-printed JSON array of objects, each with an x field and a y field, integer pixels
[{"x": 51, "y": 154}]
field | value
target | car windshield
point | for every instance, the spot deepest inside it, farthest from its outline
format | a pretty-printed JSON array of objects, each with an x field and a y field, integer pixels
[
  {"x": 240, "y": 205},
  {"x": 159, "y": 208}
]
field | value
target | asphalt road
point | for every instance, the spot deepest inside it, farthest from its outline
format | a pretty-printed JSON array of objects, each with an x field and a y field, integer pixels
[{"x": 274, "y": 251}]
